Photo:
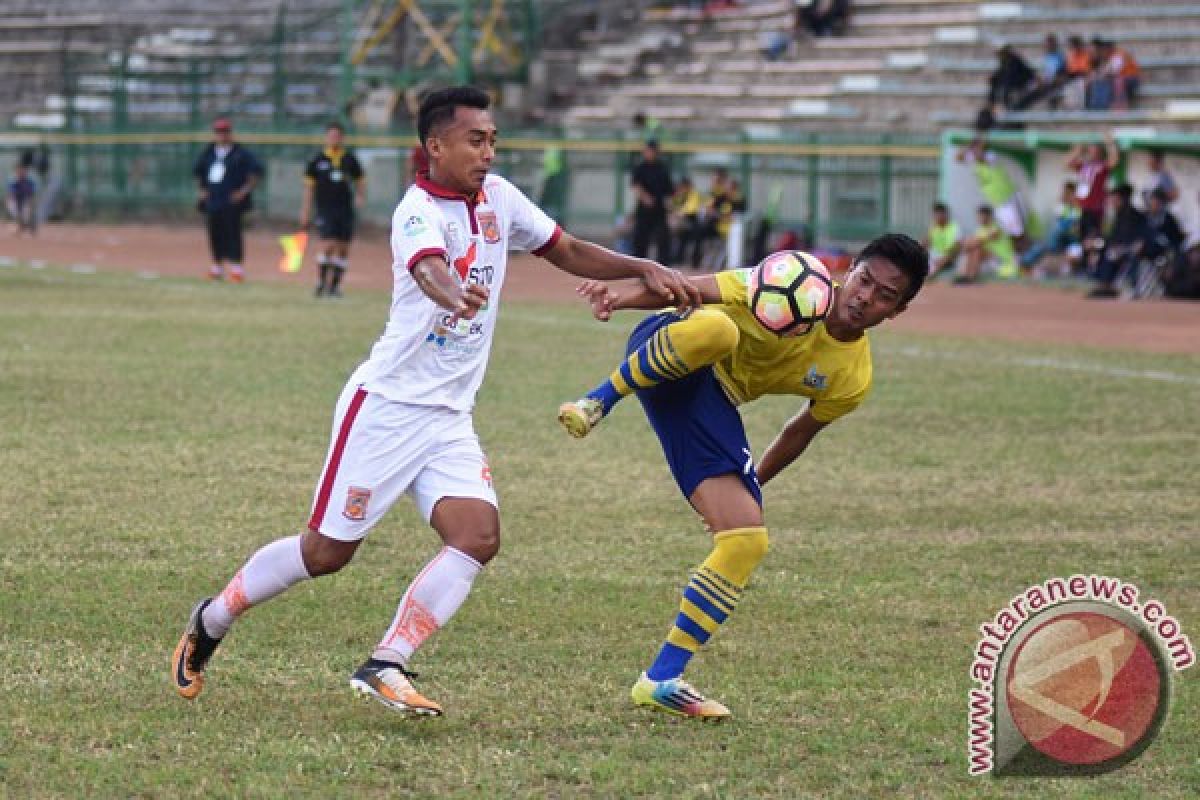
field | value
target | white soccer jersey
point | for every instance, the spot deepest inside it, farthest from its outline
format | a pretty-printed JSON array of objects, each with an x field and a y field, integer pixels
[{"x": 420, "y": 359}]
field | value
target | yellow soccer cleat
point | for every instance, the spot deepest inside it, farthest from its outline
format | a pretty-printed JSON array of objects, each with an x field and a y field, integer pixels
[
  {"x": 581, "y": 416},
  {"x": 391, "y": 684},
  {"x": 677, "y": 697}
]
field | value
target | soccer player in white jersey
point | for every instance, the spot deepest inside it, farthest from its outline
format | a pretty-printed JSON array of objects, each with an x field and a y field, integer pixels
[{"x": 403, "y": 422}]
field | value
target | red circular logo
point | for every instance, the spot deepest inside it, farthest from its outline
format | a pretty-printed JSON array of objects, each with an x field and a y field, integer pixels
[{"x": 1085, "y": 688}]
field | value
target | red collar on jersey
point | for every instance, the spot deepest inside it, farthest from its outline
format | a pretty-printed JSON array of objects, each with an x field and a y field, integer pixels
[{"x": 446, "y": 193}]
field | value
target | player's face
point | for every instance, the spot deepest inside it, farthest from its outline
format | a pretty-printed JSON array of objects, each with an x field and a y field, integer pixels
[
  {"x": 461, "y": 153},
  {"x": 333, "y": 138},
  {"x": 873, "y": 292}
]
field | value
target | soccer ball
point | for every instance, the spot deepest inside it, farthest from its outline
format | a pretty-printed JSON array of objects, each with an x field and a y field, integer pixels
[{"x": 790, "y": 292}]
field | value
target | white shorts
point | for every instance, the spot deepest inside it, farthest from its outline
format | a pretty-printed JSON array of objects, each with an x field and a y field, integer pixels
[
  {"x": 380, "y": 450},
  {"x": 1011, "y": 217}
]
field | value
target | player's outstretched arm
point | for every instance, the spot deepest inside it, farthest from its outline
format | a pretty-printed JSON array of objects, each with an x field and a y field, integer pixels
[
  {"x": 605, "y": 298},
  {"x": 441, "y": 285},
  {"x": 589, "y": 260},
  {"x": 788, "y": 445}
]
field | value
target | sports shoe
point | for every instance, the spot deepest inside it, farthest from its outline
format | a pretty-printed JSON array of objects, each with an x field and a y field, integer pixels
[
  {"x": 192, "y": 653},
  {"x": 391, "y": 684},
  {"x": 677, "y": 697},
  {"x": 581, "y": 416},
  {"x": 215, "y": 274},
  {"x": 237, "y": 276}
]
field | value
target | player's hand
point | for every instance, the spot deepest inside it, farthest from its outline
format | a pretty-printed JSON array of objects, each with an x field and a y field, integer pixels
[
  {"x": 673, "y": 286},
  {"x": 600, "y": 297},
  {"x": 474, "y": 296}
]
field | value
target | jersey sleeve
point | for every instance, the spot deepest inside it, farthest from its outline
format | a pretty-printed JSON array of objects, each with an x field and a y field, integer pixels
[
  {"x": 733, "y": 283},
  {"x": 532, "y": 229},
  {"x": 827, "y": 409},
  {"x": 417, "y": 232}
]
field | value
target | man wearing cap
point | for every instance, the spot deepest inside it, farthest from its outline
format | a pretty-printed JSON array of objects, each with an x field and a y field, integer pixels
[{"x": 226, "y": 174}]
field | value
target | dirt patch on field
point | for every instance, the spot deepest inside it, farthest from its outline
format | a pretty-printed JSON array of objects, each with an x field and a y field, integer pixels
[{"x": 1010, "y": 312}]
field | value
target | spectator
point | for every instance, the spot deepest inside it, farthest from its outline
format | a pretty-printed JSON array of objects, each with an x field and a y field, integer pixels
[
  {"x": 822, "y": 17},
  {"x": 1052, "y": 74},
  {"x": 653, "y": 187},
  {"x": 1165, "y": 236},
  {"x": 226, "y": 174},
  {"x": 1125, "y": 74},
  {"x": 1012, "y": 80},
  {"x": 1123, "y": 247},
  {"x": 1064, "y": 236},
  {"x": 1160, "y": 178},
  {"x": 1092, "y": 162},
  {"x": 686, "y": 222},
  {"x": 942, "y": 240},
  {"x": 997, "y": 188},
  {"x": 22, "y": 192},
  {"x": 1079, "y": 68},
  {"x": 989, "y": 250}
]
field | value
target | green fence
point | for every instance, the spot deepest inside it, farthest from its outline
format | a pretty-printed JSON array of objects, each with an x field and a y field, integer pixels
[{"x": 844, "y": 190}]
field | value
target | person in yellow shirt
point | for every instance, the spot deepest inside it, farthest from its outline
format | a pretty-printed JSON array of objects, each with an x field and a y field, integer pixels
[
  {"x": 942, "y": 240},
  {"x": 990, "y": 250},
  {"x": 691, "y": 371},
  {"x": 685, "y": 222}
]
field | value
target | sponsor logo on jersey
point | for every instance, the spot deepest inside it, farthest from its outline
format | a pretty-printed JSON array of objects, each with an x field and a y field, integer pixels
[
  {"x": 489, "y": 226},
  {"x": 815, "y": 380},
  {"x": 414, "y": 226},
  {"x": 356, "y": 503}
]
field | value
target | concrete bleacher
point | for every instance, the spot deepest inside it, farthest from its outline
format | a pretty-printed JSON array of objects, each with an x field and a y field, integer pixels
[{"x": 904, "y": 65}]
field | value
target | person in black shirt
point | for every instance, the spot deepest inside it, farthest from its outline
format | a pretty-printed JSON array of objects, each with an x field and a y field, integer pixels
[
  {"x": 226, "y": 174},
  {"x": 1012, "y": 79},
  {"x": 334, "y": 178},
  {"x": 653, "y": 186},
  {"x": 1124, "y": 246}
]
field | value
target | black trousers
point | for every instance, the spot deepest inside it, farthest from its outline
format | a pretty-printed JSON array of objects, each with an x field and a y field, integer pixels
[
  {"x": 652, "y": 227},
  {"x": 225, "y": 234}
]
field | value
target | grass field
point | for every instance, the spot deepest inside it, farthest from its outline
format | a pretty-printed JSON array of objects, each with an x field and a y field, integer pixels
[{"x": 154, "y": 433}]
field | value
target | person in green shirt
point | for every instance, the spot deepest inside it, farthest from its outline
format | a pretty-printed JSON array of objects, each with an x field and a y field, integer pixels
[
  {"x": 997, "y": 188},
  {"x": 942, "y": 241},
  {"x": 990, "y": 249}
]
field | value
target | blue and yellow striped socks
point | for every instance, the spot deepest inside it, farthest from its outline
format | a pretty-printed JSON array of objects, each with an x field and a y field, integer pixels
[
  {"x": 672, "y": 352},
  {"x": 710, "y": 597}
]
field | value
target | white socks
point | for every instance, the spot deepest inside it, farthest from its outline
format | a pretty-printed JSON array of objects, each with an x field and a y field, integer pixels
[
  {"x": 431, "y": 600},
  {"x": 268, "y": 572}
]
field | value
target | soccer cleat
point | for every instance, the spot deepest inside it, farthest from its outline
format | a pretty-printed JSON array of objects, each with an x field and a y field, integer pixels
[
  {"x": 192, "y": 653},
  {"x": 677, "y": 697},
  {"x": 581, "y": 416},
  {"x": 391, "y": 684},
  {"x": 216, "y": 274},
  {"x": 237, "y": 276}
]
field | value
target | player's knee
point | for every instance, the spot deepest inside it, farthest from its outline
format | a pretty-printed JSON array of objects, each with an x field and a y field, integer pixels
[
  {"x": 323, "y": 555},
  {"x": 746, "y": 546},
  {"x": 718, "y": 334},
  {"x": 481, "y": 543}
]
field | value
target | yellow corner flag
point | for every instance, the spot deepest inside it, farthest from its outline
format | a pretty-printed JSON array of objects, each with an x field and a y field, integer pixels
[{"x": 293, "y": 251}]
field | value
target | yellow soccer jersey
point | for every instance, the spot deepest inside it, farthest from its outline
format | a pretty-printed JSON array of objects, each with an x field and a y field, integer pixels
[{"x": 835, "y": 376}]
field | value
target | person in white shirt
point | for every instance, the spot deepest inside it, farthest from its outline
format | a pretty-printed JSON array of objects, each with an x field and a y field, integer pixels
[{"x": 403, "y": 422}]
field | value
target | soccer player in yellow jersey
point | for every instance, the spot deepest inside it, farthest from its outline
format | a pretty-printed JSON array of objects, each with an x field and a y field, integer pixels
[{"x": 691, "y": 371}]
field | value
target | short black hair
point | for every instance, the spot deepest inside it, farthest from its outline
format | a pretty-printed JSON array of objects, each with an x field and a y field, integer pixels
[
  {"x": 940, "y": 208},
  {"x": 906, "y": 253},
  {"x": 437, "y": 108},
  {"x": 1124, "y": 191},
  {"x": 335, "y": 125},
  {"x": 1156, "y": 152}
]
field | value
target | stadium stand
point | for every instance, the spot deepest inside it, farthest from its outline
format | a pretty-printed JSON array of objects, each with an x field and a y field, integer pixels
[{"x": 904, "y": 65}]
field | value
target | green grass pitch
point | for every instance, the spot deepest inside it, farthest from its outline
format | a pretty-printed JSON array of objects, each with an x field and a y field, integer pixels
[{"x": 154, "y": 433}]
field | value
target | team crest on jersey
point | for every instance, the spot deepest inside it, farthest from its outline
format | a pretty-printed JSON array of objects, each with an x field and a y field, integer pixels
[
  {"x": 356, "y": 503},
  {"x": 815, "y": 380},
  {"x": 489, "y": 226},
  {"x": 414, "y": 226}
]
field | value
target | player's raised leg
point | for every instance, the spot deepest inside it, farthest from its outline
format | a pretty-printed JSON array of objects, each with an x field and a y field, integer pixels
[
  {"x": 663, "y": 347},
  {"x": 710, "y": 597}
]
